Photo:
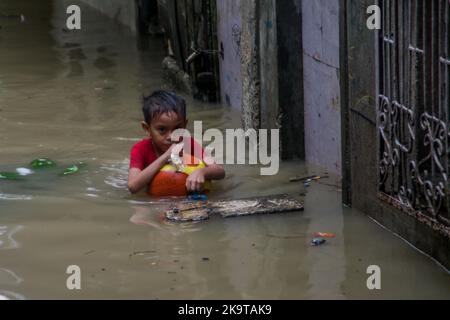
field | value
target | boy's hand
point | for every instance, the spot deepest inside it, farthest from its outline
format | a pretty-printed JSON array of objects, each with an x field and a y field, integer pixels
[
  {"x": 175, "y": 148},
  {"x": 195, "y": 181}
]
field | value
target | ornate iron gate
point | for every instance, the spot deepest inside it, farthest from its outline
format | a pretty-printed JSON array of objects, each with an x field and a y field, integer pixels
[{"x": 414, "y": 109}]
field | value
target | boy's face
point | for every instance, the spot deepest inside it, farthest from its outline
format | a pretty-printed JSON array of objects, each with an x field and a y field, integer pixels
[{"x": 161, "y": 128}]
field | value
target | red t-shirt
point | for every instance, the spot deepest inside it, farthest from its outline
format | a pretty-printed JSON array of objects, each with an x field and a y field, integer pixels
[{"x": 143, "y": 154}]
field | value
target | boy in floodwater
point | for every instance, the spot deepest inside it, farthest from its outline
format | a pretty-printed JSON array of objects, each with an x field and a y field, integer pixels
[{"x": 164, "y": 113}]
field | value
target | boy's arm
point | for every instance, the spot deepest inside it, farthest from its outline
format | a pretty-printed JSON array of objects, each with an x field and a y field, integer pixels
[
  {"x": 214, "y": 172},
  {"x": 139, "y": 179}
]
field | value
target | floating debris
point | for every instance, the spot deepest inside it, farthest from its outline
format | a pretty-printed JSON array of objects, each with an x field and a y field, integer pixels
[
  {"x": 301, "y": 179},
  {"x": 324, "y": 235},
  {"x": 103, "y": 88},
  {"x": 142, "y": 253},
  {"x": 73, "y": 169},
  {"x": 9, "y": 176},
  {"x": 202, "y": 210},
  {"x": 188, "y": 211},
  {"x": 318, "y": 242},
  {"x": 197, "y": 197},
  {"x": 42, "y": 163},
  {"x": 308, "y": 179},
  {"x": 256, "y": 206},
  {"x": 24, "y": 171}
]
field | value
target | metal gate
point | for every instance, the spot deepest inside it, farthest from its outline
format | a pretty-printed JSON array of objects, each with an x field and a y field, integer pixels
[{"x": 414, "y": 109}]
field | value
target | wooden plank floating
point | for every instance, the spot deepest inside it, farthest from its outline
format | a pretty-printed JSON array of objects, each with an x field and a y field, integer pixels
[
  {"x": 254, "y": 206},
  {"x": 202, "y": 210},
  {"x": 188, "y": 211}
]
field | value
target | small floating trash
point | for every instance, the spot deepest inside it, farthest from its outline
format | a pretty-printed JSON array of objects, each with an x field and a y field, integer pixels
[
  {"x": 198, "y": 197},
  {"x": 324, "y": 235},
  {"x": 42, "y": 163},
  {"x": 73, "y": 169},
  {"x": 9, "y": 176},
  {"x": 318, "y": 242},
  {"x": 24, "y": 171},
  {"x": 308, "y": 179}
]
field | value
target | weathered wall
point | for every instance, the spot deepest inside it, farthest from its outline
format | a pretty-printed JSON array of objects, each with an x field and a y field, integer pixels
[
  {"x": 250, "y": 65},
  {"x": 268, "y": 56},
  {"x": 271, "y": 70},
  {"x": 123, "y": 11},
  {"x": 321, "y": 83},
  {"x": 229, "y": 36}
]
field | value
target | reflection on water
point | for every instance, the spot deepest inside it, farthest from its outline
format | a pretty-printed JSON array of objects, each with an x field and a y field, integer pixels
[
  {"x": 9, "y": 295},
  {"x": 74, "y": 96},
  {"x": 117, "y": 175},
  {"x": 8, "y": 277},
  {"x": 14, "y": 197},
  {"x": 7, "y": 241}
]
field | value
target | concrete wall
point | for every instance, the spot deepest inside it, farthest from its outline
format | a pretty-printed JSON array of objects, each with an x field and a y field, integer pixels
[
  {"x": 321, "y": 83},
  {"x": 282, "y": 78},
  {"x": 229, "y": 20},
  {"x": 123, "y": 11}
]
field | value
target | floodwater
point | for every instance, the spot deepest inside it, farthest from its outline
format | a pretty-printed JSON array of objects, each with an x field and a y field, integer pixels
[{"x": 74, "y": 96}]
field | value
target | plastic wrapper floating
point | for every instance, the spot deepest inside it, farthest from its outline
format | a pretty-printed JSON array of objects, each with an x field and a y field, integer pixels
[{"x": 42, "y": 163}]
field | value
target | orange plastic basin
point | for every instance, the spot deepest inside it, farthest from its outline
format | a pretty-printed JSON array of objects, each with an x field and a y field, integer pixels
[{"x": 168, "y": 184}]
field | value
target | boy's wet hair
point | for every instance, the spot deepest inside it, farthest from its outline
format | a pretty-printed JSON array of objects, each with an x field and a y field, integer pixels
[{"x": 162, "y": 101}]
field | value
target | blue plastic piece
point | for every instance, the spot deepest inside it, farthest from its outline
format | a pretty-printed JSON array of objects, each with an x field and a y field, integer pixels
[
  {"x": 318, "y": 241},
  {"x": 197, "y": 197}
]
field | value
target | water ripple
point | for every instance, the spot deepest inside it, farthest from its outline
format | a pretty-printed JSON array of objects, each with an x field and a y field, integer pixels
[
  {"x": 118, "y": 176},
  {"x": 9, "y": 295},
  {"x": 8, "y": 277},
  {"x": 14, "y": 197},
  {"x": 6, "y": 237}
]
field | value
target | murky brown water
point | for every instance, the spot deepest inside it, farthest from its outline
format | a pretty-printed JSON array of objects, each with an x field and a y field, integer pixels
[{"x": 75, "y": 97}]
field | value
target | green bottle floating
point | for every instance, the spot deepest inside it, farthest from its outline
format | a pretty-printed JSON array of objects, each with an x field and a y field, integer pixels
[
  {"x": 42, "y": 163},
  {"x": 9, "y": 176},
  {"x": 73, "y": 169}
]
